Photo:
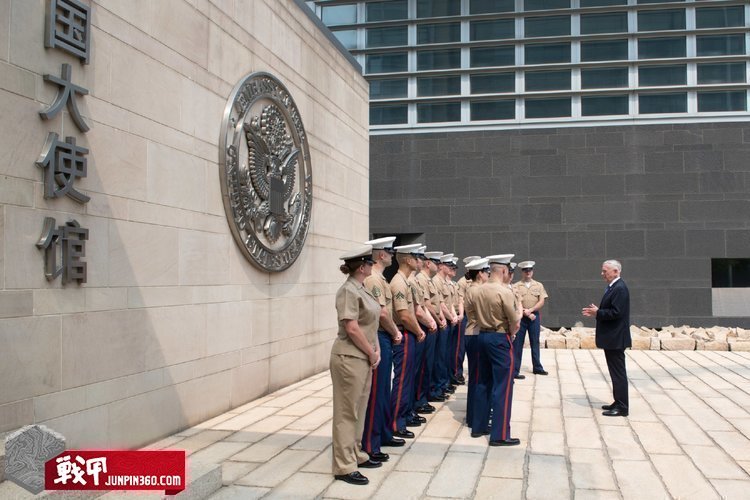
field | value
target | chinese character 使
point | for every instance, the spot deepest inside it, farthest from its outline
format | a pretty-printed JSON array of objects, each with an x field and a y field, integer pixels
[
  {"x": 72, "y": 238},
  {"x": 66, "y": 95},
  {"x": 64, "y": 162},
  {"x": 67, "y": 469},
  {"x": 68, "y": 26}
]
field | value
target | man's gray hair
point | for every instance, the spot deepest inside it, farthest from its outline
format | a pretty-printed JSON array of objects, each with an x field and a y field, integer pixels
[{"x": 613, "y": 264}]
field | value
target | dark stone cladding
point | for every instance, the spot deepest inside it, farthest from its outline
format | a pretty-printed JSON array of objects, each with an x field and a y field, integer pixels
[{"x": 663, "y": 199}]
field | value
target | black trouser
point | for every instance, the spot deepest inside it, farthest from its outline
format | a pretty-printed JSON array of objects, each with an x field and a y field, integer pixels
[{"x": 618, "y": 373}]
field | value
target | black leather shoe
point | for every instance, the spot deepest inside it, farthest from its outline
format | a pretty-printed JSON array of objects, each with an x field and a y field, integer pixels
[
  {"x": 480, "y": 434},
  {"x": 353, "y": 478},
  {"x": 413, "y": 423},
  {"x": 615, "y": 412},
  {"x": 394, "y": 443},
  {"x": 609, "y": 407},
  {"x": 519, "y": 377},
  {"x": 506, "y": 442},
  {"x": 420, "y": 419},
  {"x": 436, "y": 399},
  {"x": 450, "y": 389},
  {"x": 403, "y": 433},
  {"x": 541, "y": 372},
  {"x": 370, "y": 464},
  {"x": 379, "y": 456},
  {"x": 425, "y": 409}
]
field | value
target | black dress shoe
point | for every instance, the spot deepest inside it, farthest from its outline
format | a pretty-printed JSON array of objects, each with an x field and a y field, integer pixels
[
  {"x": 506, "y": 442},
  {"x": 480, "y": 434},
  {"x": 541, "y": 372},
  {"x": 403, "y": 433},
  {"x": 370, "y": 464},
  {"x": 609, "y": 407},
  {"x": 413, "y": 423},
  {"x": 519, "y": 377},
  {"x": 615, "y": 412},
  {"x": 436, "y": 399},
  {"x": 425, "y": 409},
  {"x": 450, "y": 389},
  {"x": 379, "y": 456},
  {"x": 394, "y": 442},
  {"x": 353, "y": 478},
  {"x": 420, "y": 419}
]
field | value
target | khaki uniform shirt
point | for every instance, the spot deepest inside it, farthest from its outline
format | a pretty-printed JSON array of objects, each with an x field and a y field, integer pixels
[
  {"x": 354, "y": 301},
  {"x": 493, "y": 306},
  {"x": 444, "y": 290},
  {"x": 403, "y": 297},
  {"x": 416, "y": 290},
  {"x": 531, "y": 295},
  {"x": 463, "y": 284},
  {"x": 379, "y": 288},
  {"x": 471, "y": 325},
  {"x": 428, "y": 287}
]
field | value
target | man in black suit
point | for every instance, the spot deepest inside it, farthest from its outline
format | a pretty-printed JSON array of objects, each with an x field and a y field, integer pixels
[{"x": 613, "y": 334}]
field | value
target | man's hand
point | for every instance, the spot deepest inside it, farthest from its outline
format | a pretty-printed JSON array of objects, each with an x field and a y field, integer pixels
[
  {"x": 454, "y": 320},
  {"x": 590, "y": 311},
  {"x": 374, "y": 359},
  {"x": 397, "y": 339},
  {"x": 432, "y": 327},
  {"x": 421, "y": 335}
]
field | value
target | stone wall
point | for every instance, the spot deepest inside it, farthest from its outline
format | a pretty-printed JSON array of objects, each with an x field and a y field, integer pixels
[
  {"x": 174, "y": 325},
  {"x": 664, "y": 199}
]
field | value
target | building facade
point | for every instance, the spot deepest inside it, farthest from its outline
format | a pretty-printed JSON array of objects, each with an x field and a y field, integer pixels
[{"x": 566, "y": 132}]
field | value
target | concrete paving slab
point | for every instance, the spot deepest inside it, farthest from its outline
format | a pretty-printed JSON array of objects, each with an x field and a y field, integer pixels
[{"x": 499, "y": 488}]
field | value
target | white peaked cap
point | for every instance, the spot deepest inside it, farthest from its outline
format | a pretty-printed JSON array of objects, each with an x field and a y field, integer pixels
[
  {"x": 363, "y": 252},
  {"x": 421, "y": 250},
  {"x": 513, "y": 265},
  {"x": 477, "y": 264},
  {"x": 454, "y": 260},
  {"x": 446, "y": 258},
  {"x": 381, "y": 243},
  {"x": 503, "y": 258},
  {"x": 433, "y": 255},
  {"x": 408, "y": 249},
  {"x": 470, "y": 258},
  {"x": 527, "y": 264}
]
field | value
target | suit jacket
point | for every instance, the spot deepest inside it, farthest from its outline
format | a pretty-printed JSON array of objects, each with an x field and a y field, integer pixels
[{"x": 613, "y": 318}]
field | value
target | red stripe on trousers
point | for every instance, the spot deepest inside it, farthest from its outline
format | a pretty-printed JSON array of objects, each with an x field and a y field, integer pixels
[
  {"x": 507, "y": 392},
  {"x": 401, "y": 381}
]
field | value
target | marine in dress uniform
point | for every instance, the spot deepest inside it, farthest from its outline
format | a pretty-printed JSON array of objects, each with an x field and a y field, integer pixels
[
  {"x": 477, "y": 273},
  {"x": 425, "y": 374},
  {"x": 442, "y": 388},
  {"x": 354, "y": 354},
  {"x": 532, "y": 296},
  {"x": 493, "y": 305},
  {"x": 463, "y": 284},
  {"x": 456, "y": 345},
  {"x": 378, "y": 419}
]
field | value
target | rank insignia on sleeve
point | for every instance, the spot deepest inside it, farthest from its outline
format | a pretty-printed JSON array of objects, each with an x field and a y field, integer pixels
[
  {"x": 399, "y": 295},
  {"x": 376, "y": 292}
]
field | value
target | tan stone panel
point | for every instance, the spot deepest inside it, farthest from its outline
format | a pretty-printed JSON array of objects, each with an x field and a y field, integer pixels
[
  {"x": 15, "y": 415},
  {"x": 29, "y": 357},
  {"x": 175, "y": 178},
  {"x": 84, "y": 429},
  {"x": 16, "y": 303},
  {"x": 203, "y": 258},
  {"x": 548, "y": 477},
  {"x": 590, "y": 470},
  {"x": 214, "y": 203},
  {"x": 678, "y": 344},
  {"x": 2, "y": 247},
  {"x": 103, "y": 345},
  {"x": 142, "y": 255},
  {"x": 229, "y": 327},
  {"x": 60, "y": 403},
  {"x": 638, "y": 480},
  {"x": 105, "y": 299},
  {"x": 177, "y": 334},
  {"x": 117, "y": 163},
  {"x": 22, "y": 135},
  {"x": 4, "y": 28},
  {"x": 59, "y": 300},
  {"x": 202, "y": 110},
  {"x": 178, "y": 26},
  {"x": 14, "y": 191},
  {"x": 139, "y": 13},
  {"x": 682, "y": 478}
]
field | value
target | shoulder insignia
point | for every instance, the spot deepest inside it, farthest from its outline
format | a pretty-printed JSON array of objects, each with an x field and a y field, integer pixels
[
  {"x": 399, "y": 295},
  {"x": 376, "y": 291}
]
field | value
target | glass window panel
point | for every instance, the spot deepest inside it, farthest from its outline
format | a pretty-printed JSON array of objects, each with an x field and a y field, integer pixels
[
  {"x": 660, "y": 48},
  {"x": 547, "y": 26},
  {"x": 604, "y": 78},
  {"x": 547, "y": 108},
  {"x": 388, "y": 114},
  {"x": 490, "y": 6},
  {"x": 722, "y": 101},
  {"x": 547, "y": 80},
  {"x": 656, "y": 20},
  {"x": 504, "y": 55},
  {"x": 721, "y": 73},
  {"x": 493, "y": 29},
  {"x": 387, "y": 11},
  {"x": 438, "y": 112},
  {"x": 547, "y": 53},
  {"x": 611, "y": 22},
  {"x": 435, "y": 8},
  {"x": 339, "y": 14},
  {"x": 438, "y": 59},
  {"x": 720, "y": 17},
  {"x": 604, "y": 50},
  {"x": 348, "y": 38},
  {"x": 387, "y": 37},
  {"x": 439, "y": 85},
  {"x": 438, "y": 33},
  {"x": 493, "y": 110},
  {"x": 653, "y": 76},
  {"x": 545, "y": 4},
  {"x": 493, "y": 82},
  {"x": 386, "y": 63},
  {"x": 720, "y": 45},
  {"x": 597, "y": 3},
  {"x": 604, "y": 105},
  {"x": 394, "y": 87},
  {"x": 662, "y": 103},
  {"x": 659, "y": 1}
]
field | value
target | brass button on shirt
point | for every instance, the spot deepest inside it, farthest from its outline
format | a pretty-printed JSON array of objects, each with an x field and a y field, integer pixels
[
  {"x": 353, "y": 301},
  {"x": 530, "y": 295},
  {"x": 493, "y": 306}
]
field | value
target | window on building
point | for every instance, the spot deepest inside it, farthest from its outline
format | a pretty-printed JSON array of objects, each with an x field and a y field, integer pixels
[
  {"x": 387, "y": 11},
  {"x": 600, "y": 3},
  {"x": 545, "y": 4},
  {"x": 658, "y": 20},
  {"x": 720, "y": 17},
  {"x": 547, "y": 80},
  {"x": 493, "y": 110},
  {"x": 438, "y": 33},
  {"x": 654, "y": 76},
  {"x": 332, "y": 15},
  {"x": 544, "y": 53},
  {"x": 491, "y": 6},
  {"x": 438, "y": 59},
  {"x": 604, "y": 50},
  {"x": 388, "y": 114},
  {"x": 730, "y": 273},
  {"x": 546, "y": 26},
  {"x": 662, "y": 103},
  {"x": 348, "y": 38},
  {"x": 429, "y": 112},
  {"x": 386, "y": 63},
  {"x": 490, "y": 83},
  {"x": 503, "y": 55},
  {"x": 735, "y": 100},
  {"x": 439, "y": 85},
  {"x": 720, "y": 45},
  {"x": 548, "y": 108},
  {"x": 387, "y": 37},
  {"x": 438, "y": 8},
  {"x": 661, "y": 48},
  {"x": 604, "y": 78},
  {"x": 721, "y": 73},
  {"x": 611, "y": 22},
  {"x": 494, "y": 29},
  {"x": 659, "y": 1},
  {"x": 389, "y": 88},
  {"x": 604, "y": 105}
]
